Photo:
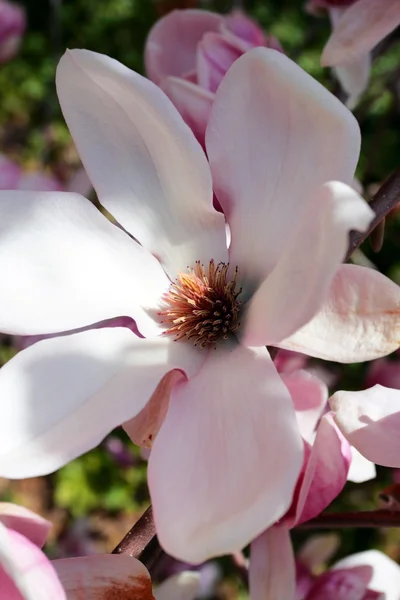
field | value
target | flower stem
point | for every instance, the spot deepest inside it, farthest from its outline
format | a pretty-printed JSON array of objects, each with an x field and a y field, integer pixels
[{"x": 356, "y": 520}]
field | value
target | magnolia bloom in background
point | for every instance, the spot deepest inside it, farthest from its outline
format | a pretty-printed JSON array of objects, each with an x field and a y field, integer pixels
[
  {"x": 12, "y": 28},
  {"x": 358, "y": 26},
  {"x": 209, "y": 406},
  {"x": 188, "y": 53}
]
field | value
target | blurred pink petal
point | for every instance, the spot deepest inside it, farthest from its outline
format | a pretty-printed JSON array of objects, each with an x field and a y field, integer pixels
[
  {"x": 385, "y": 372},
  {"x": 12, "y": 28},
  {"x": 9, "y": 173},
  {"x": 341, "y": 584},
  {"x": 287, "y": 362},
  {"x": 39, "y": 181},
  {"x": 249, "y": 30},
  {"x": 80, "y": 183},
  {"x": 289, "y": 115},
  {"x": 272, "y": 566},
  {"x": 359, "y": 320},
  {"x": 370, "y": 420},
  {"x": 309, "y": 395},
  {"x": 353, "y": 77},
  {"x": 184, "y": 586},
  {"x": 25, "y": 572},
  {"x": 384, "y": 573},
  {"x": 324, "y": 475},
  {"x": 215, "y": 54},
  {"x": 171, "y": 46},
  {"x": 141, "y": 136},
  {"x": 104, "y": 577},
  {"x": 193, "y": 103},
  {"x": 214, "y": 428},
  {"x": 296, "y": 289},
  {"x": 318, "y": 549},
  {"x": 361, "y": 27},
  {"x": 25, "y": 522}
]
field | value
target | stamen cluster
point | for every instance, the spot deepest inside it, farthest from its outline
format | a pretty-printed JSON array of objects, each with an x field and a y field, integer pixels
[{"x": 202, "y": 304}]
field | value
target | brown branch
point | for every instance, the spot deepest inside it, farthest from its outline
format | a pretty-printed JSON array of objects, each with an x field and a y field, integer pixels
[
  {"x": 361, "y": 519},
  {"x": 138, "y": 537},
  {"x": 382, "y": 203}
]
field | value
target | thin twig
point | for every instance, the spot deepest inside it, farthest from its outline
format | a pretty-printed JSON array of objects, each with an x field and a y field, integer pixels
[
  {"x": 382, "y": 203},
  {"x": 362, "y": 519},
  {"x": 138, "y": 537}
]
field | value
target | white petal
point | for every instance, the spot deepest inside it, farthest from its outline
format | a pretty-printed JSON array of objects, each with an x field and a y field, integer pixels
[
  {"x": 63, "y": 395},
  {"x": 66, "y": 266},
  {"x": 144, "y": 162},
  {"x": 184, "y": 586},
  {"x": 297, "y": 287},
  {"x": 361, "y": 469},
  {"x": 270, "y": 147}
]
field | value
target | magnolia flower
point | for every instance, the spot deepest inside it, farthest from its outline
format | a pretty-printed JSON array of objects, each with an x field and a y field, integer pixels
[
  {"x": 364, "y": 576},
  {"x": 199, "y": 378},
  {"x": 358, "y": 26},
  {"x": 188, "y": 53},
  {"x": 12, "y": 28}
]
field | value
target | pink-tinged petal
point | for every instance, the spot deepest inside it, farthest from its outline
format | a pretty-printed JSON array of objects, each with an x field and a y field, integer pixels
[
  {"x": 193, "y": 103},
  {"x": 360, "y": 319},
  {"x": 318, "y": 550},
  {"x": 75, "y": 267},
  {"x": 184, "y": 586},
  {"x": 324, "y": 475},
  {"x": 268, "y": 152},
  {"x": 361, "y": 469},
  {"x": 385, "y": 573},
  {"x": 104, "y": 577},
  {"x": 215, "y": 55},
  {"x": 272, "y": 567},
  {"x": 309, "y": 395},
  {"x": 354, "y": 77},
  {"x": 40, "y": 182},
  {"x": 143, "y": 428},
  {"x": 25, "y": 572},
  {"x": 300, "y": 282},
  {"x": 343, "y": 584},
  {"x": 171, "y": 46},
  {"x": 147, "y": 168},
  {"x": 10, "y": 173},
  {"x": 25, "y": 522},
  {"x": 64, "y": 395},
  {"x": 361, "y": 27},
  {"x": 80, "y": 183},
  {"x": 214, "y": 430},
  {"x": 245, "y": 28},
  {"x": 370, "y": 420}
]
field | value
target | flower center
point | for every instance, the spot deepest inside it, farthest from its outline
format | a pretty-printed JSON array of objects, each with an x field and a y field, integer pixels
[{"x": 202, "y": 304}]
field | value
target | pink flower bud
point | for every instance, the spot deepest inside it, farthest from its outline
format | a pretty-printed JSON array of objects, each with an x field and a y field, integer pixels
[{"x": 12, "y": 27}]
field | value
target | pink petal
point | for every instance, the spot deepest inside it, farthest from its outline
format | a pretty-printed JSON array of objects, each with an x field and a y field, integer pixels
[
  {"x": 272, "y": 566},
  {"x": 268, "y": 153},
  {"x": 65, "y": 394},
  {"x": 184, "y": 586},
  {"x": 104, "y": 577},
  {"x": 145, "y": 164},
  {"x": 12, "y": 27},
  {"x": 246, "y": 28},
  {"x": 80, "y": 183},
  {"x": 25, "y": 522},
  {"x": 343, "y": 584},
  {"x": 370, "y": 420},
  {"x": 215, "y": 54},
  {"x": 324, "y": 475},
  {"x": 287, "y": 361},
  {"x": 361, "y": 27},
  {"x": 385, "y": 573},
  {"x": 214, "y": 431},
  {"x": 143, "y": 428},
  {"x": 193, "y": 103},
  {"x": 384, "y": 371},
  {"x": 292, "y": 294},
  {"x": 317, "y": 550},
  {"x": 359, "y": 320},
  {"x": 75, "y": 267},
  {"x": 354, "y": 78},
  {"x": 9, "y": 173},
  {"x": 25, "y": 572},
  {"x": 171, "y": 45},
  {"x": 361, "y": 469},
  {"x": 39, "y": 181},
  {"x": 309, "y": 395}
]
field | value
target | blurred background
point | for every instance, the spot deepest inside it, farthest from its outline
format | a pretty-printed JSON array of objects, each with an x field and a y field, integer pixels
[{"x": 94, "y": 500}]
